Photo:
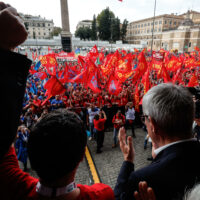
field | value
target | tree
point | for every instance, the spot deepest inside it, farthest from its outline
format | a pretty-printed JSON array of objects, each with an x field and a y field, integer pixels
[
  {"x": 94, "y": 29},
  {"x": 124, "y": 30},
  {"x": 104, "y": 24},
  {"x": 83, "y": 33},
  {"x": 88, "y": 33},
  {"x": 56, "y": 31},
  {"x": 115, "y": 29}
]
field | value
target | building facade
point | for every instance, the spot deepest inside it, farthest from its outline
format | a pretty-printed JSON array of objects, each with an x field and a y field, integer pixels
[
  {"x": 84, "y": 24},
  {"x": 38, "y": 27},
  {"x": 170, "y": 32}
]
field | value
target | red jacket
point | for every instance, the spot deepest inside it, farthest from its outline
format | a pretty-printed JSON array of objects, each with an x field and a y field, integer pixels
[
  {"x": 121, "y": 117},
  {"x": 18, "y": 185},
  {"x": 99, "y": 124}
]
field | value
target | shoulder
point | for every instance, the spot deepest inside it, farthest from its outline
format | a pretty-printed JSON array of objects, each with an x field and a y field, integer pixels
[{"x": 98, "y": 191}]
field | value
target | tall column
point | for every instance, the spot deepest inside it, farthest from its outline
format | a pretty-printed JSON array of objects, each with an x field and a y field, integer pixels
[{"x": 66, "y": 36}]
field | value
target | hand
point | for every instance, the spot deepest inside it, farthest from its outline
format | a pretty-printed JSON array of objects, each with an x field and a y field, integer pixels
[
  {"x": 145, "y": 192},
  {"x": 126, "y": 148},
  {"x": 13, "y": 32}
]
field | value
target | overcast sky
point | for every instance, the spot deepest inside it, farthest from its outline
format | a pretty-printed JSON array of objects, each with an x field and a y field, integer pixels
[{"x": 85, "y": 9}]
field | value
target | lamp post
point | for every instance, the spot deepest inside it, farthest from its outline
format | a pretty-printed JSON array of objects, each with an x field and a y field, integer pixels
[{"x": 153, "y": 26}]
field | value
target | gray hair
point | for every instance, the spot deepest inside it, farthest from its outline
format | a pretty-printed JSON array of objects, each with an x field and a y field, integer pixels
[
  {"x": 171, "y": 107},
  {"x": 193, "y": 194}
]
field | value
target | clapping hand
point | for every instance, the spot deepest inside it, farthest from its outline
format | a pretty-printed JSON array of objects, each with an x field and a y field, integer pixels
[
  {"x": 13, "y": 32},
  {"x": 126, "y": 146},
  {"x": 145, "y": 192}
]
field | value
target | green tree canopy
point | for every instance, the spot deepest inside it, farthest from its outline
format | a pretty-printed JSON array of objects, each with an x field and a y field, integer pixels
[
  {"x": 115, "y": 29},
  {"x": 104, "y": 24},
  {"x": 56, "y": 31},
  {"x": 94, "y": 28},
  {"x": 84, "y": 33},
  {"x": 124, "y": 30}
]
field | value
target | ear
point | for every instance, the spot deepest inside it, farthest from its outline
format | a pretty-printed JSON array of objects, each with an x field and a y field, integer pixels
[{"x": 154, "y": 126}]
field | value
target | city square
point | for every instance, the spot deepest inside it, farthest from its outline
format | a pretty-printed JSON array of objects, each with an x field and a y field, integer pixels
[{"x": 101, "y": 100}]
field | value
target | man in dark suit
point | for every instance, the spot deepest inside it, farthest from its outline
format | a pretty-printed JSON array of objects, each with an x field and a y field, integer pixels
[{"x": 169, "y": 112}]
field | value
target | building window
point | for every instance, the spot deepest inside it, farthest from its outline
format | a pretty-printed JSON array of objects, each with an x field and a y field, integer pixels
[
  {"x": 156, "y": 23},
  {"x": 160, "y": 22},
  {"x": 38, "y": 25},
  {"x": 43, "y": 24},
  {"x": 162, "y": 44},
  {"x": 165, "y": 22},
  {"x": 189, "y": 44},
  {"x": 141, "y": 25},
  {"x": 145, "y": 24},
  {"x": 152, "y": 23},
  {"x": 174, "y": 23},
  {"x": 38, "y": 33},
  {"x": 159, "y": 29},
  {"x": 170, "y": 22},
  {"x": 48, "y": 24}
]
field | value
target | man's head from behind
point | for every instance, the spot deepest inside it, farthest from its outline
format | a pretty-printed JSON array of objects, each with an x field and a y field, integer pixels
[
  {"x": 57, "y": 144},
  {"x": 171, "y": 108}
]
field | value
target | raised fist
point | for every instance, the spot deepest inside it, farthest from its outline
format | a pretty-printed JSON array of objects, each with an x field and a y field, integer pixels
[{"x": 13, "y": 32}]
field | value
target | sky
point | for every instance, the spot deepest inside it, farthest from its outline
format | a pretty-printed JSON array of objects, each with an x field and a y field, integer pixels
[{"x": 85, "y": 9}]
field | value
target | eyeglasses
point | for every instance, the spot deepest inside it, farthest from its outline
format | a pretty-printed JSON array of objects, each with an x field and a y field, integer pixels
[{"x": 143, "y": 117}]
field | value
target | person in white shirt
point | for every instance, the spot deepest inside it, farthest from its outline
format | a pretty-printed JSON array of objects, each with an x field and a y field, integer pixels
[
  {"x": 130, "y": 117},
  {"x": 92, "y": 111}
]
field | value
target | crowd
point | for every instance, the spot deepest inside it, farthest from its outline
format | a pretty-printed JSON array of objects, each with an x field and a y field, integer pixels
[{"x": 55, "y": 138}]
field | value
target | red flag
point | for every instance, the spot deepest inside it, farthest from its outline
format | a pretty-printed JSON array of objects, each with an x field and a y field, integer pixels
[
  {"x": 157, "y": 60},
  {"x": 137, "y": 98},
  {"x": 49, "y": 61},
  {"x": 165, "y": 75},
  {"x": 146, "y": 82},
  {"x": 92, "y": 79},
  {"x": 114, "y": 86},
  {"x": 141, "y": 68},
  {"x": 93, "y": 53},
  {"x": 80, "y": 78},
  {"x": 54, "y": 87},
  {"x": 193, "y": 81}
]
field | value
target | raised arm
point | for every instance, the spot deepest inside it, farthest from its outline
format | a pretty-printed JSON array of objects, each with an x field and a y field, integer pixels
[{"x": 14, "y": 70}]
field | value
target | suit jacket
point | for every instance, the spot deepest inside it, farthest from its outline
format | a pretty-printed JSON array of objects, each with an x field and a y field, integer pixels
[
  {"x": 13, "y": 74},
  {"x": 172, "y": 172}
]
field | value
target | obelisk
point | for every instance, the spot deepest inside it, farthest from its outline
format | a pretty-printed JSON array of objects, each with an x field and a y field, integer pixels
[{"x": 65, "y": 34}]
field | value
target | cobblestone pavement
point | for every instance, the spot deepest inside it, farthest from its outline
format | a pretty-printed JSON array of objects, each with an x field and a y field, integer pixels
[{"x": 108, "y": 163}]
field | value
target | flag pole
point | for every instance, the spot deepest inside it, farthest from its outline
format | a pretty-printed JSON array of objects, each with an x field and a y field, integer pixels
[{"x": 153, "y": 26}]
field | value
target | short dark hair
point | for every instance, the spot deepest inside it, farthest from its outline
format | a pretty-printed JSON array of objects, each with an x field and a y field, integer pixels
[
  {"x": 57, "y": 144},
  {"x": 96, "y": 117}
]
